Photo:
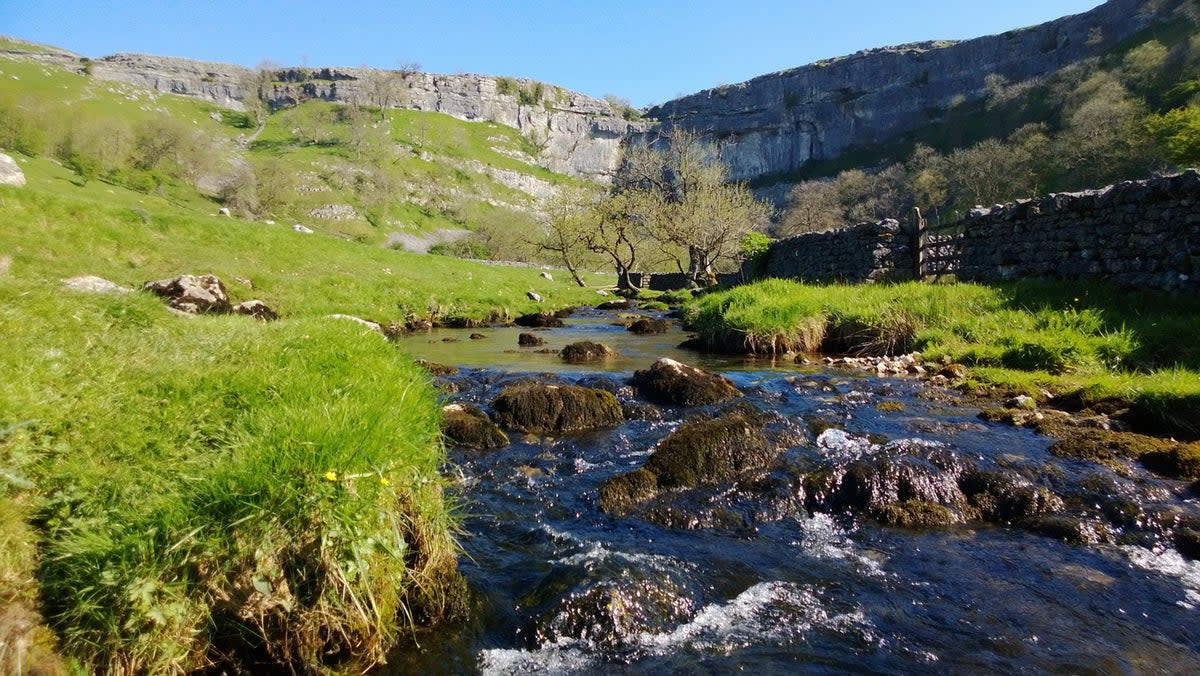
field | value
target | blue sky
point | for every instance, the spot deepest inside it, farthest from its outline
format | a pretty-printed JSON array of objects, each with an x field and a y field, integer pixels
[{"x": 647, "y": 51}]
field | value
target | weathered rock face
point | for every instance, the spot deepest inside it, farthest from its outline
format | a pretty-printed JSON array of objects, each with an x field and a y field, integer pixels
[
  {"x": 576, "y": 134},
  {"x": 10, "y": 173},
  {"x": 774, "y": 123}
]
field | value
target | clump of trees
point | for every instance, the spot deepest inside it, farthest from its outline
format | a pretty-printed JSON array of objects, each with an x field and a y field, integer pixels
[{"x": 671, "y": 205}]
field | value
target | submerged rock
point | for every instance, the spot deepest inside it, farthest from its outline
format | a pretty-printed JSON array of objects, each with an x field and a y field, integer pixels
[
  {"x": 586, "y": 351},
  {"x": 529, "y": 340},
  {"x": 611, "y": 614},
  {"x": 539, "y": 320},
  {"x": 469, "y": 427},
  {"x": 670, "y": 382},
  {"x": 648, "y": 326},
  {"x": 544, "y": 409}
]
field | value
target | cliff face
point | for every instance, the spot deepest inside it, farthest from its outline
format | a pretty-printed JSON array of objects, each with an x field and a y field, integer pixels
[
  {"x": 774, "y": 123},
  {"x": 578, "y": 135}
]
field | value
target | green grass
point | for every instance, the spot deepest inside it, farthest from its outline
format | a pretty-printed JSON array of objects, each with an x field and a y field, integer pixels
[
  {"x": 186, "y": 492},
  {"x": 220, "y": 483},
  {"x": 1102, "y": 342},
  {"x": 49, "y": 237}
]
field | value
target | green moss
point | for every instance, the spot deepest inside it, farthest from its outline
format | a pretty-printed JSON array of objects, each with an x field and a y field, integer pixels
[
  {"x": 916, "y": 514},
  {"x": 708, "y": 451},
  {"x": 621, "y": 494},
  {"x": 585, "y": 351},
  {"x": 468, "y": 426},
  {"x": 669, "y": 382},
  {"x": 552, "y": 409}
]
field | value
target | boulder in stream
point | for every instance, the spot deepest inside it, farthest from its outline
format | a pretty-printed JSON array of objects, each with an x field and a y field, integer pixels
[
  {"x": 669, "y": 382},
  {"x": 648, "y": 326},
  {"x": 539, "y": 408},
  {"x": 530, "y": 340},
  {"x": 586, "y": 351},
  {"x": 469, "y": 427},
  {"x": 539, "y": 320}
]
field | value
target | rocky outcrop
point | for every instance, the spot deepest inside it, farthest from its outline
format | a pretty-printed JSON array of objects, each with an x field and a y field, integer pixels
[
  {"x": 574, "y": 134},
  {"x": 774, "y": 123},
  {"x": 195, "y": 294},
  {"x": 10, "y": 173}
]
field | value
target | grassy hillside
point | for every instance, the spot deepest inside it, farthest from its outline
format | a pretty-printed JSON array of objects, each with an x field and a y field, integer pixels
[{"x": 342, "y": 170}]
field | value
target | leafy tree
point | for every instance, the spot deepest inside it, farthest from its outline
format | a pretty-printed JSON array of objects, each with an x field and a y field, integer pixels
[
  {"x": 257, "y": 88},
  {"x": 567, "y": 219},
  {"x": 1104, "y": 138},
  {"x": 1178, "y": 134}
]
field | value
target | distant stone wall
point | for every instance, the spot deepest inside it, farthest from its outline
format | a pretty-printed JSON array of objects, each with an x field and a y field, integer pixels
[
  {"x": 867, "y": 252},
  {"x": 1143, "y": 234},
  {"x": 673, "y": 281},
  {"x": 1137, "y": 234}
]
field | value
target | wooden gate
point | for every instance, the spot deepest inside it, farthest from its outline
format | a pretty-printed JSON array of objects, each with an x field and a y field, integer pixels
[{"x": 938, "y": 248}]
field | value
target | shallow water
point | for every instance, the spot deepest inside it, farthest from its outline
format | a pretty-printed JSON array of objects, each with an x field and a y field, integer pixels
[{"x": 806, "y": 592}]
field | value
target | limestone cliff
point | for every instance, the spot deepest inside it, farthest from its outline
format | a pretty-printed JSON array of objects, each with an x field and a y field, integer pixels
[
  {"x": 577, "y": 135},
  {"x": 774, "y": 123}
]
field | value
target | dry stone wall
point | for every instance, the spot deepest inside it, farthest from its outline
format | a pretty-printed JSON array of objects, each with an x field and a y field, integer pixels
[
  {"x": 867, "y": 252},
  {"x": 1143, "y": 234},
  {"x": 1137, "y": 234}
]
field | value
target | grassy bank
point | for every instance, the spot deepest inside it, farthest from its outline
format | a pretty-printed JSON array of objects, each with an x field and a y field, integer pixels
[
  {"x": 1105, "y": 344},
  {"x": 219, "y": 488},
  {"x": 179, "y": 493}
]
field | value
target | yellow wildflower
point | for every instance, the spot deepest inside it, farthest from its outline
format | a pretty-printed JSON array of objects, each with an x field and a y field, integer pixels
[
  {"x": 331, "y": 475},
  {"x": 384, "y": 481}
]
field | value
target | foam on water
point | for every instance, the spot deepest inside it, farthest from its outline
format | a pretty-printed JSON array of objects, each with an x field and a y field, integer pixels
[
  {"x": 823, "y": 538},
  {"x": 1170, "y": 562}
]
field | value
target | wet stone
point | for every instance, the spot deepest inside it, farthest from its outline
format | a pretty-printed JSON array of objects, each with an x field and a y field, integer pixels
[
  {"x": 539, "y": 320},
  {"x": 529, "y": 340},
  {"x": 468, "y": 426},
  {"x": 669, "y": 382},
  {"x": 647, "y": 326},
  {"x": 586, "y": 351}
]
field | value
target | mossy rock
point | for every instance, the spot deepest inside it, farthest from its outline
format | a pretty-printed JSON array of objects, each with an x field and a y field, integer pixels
[
  {"x": 437, "y": 369},
  {"x": 615, "y": 305},
  {"x": 647, "y": 326},
  {"x": 915, "y": 514},
  {"x": 469, "y": 427},
  {"x": 586, "y": 351},
  {"x": 711, "y": 450},
  {"x": 1187, "y": 541},
  {"x": 538, "y": 408},
  {"x": 539, "y": 320},
  {"x": 621, "y": 494},
  {"x": 669, "y": 382},
  {"x": 1003, "y": 497},
  {"x": 1179, "y": 461}
]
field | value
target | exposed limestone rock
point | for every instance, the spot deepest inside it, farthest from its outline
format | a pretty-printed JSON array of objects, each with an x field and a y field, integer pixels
[
  {"x": 334, "y": 212},
  {"x": 257, "y": 309},
  {"x": 775, "y": 123},
  {"x": 10, "y": 172},
  {"x": 550, "y": 409},
  {"x": 469, "y": 427},
  {"x": 669, "y": 382},
  {"x": 533, "y": 296},
  {"x": 94, "y": 284},
  {"x": 195, "y": 294},
  {"x": 374, "y": 326}
]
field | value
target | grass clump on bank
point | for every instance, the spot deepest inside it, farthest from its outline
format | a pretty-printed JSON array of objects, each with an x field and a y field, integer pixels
[
  {"x": 1087, "y": 338},
  {"x": 219, "y": 491}
]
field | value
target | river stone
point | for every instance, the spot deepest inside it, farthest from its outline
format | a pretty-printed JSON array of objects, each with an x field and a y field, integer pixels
[
  {"x": 623, "y": 493},
  {"x": 539, "y": 320},
  {"x": 529, "y": 340},
  {"x": 615, "y": 305},
  {"x": 469, "y": 427},
  {"x": 10, "y": 172},
  {"x": 194, "y": 294},
  {"x": 586, "y": 351},
  {"x": 1004, "y": 497},
  {"x": 539, "y": 408},
  {"x": 669, "y": 382},
  {"x": 1187, "y": 541},
  {"x": 611, "y": 615},
  {"x": 647, "y": 326},
  {"x": 711, "y": 450}
]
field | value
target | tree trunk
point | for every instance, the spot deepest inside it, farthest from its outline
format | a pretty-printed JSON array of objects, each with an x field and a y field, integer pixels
[{"x": 623, "y": 281}]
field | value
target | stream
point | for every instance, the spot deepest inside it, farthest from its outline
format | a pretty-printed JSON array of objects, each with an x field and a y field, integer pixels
[{"x": 772, "y": 587}]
